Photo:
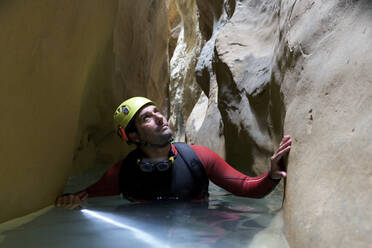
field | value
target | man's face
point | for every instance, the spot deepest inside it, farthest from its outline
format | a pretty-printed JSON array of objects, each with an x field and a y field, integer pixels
[{"x": 152, "y": 126}]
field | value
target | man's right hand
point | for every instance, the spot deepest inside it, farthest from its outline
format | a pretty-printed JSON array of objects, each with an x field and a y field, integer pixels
[
  {"x": 277, "y": 171},
  {"x": 72, "y": 201}
]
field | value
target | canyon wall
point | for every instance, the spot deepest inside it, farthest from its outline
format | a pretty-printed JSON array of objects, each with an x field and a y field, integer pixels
[
  {"x": 48, "y": 52},
  {"x": 138, "y": 66},
  {"x": 323, "y": 62},
  {"x": 299, "y": 68},
  {"x": 183, "y": 89},
  {"x": 65, "y": 66}
]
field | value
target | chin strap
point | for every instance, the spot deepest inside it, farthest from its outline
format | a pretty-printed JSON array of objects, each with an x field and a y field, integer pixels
[{"x": 170, "y": 140}]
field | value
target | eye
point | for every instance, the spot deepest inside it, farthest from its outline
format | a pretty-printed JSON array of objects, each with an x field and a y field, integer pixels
[{"x": 146, "y": 118}]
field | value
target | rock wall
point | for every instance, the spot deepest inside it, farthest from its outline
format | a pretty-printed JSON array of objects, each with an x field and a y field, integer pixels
[
  {"x": 323, "y": 63},
  {"x": 64, "y": 67},
  {"x": 183, "y": 89},
  {"x": 234, "y": 71},
  {"x": 204, "y": 125},
  {"x": 48, "y": 52},
  {"x": 138, "y": 66},
  {"x": 244, "y": 50},
  {"x": 299, "y": 68}
]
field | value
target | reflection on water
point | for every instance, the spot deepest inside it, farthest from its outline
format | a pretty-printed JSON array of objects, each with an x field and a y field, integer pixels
[
  {"x": 142, "y": 235},
  {"x": 224, "y": 221}
]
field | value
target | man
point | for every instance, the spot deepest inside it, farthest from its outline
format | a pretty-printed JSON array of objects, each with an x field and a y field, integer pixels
[{"x": 159, "y": 169}]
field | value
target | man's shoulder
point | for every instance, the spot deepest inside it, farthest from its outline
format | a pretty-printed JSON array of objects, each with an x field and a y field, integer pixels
[
  {"x": 200, "y": 148},
  {"x": 204, "y": 153},
  {"x": 196, "y": 148}
]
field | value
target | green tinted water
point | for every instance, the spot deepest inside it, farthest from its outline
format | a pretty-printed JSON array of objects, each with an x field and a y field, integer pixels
[{"x": 224, "y": 221}]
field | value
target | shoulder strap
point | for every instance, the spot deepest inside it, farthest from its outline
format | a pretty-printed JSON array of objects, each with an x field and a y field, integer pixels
[{"x": 194, "y": 164}]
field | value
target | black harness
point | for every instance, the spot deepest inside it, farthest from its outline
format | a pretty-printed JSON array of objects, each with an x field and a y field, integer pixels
[{"x": 185, "y": 180}]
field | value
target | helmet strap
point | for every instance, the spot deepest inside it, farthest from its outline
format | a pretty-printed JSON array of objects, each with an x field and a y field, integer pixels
[{"x": 122, "y": 133}]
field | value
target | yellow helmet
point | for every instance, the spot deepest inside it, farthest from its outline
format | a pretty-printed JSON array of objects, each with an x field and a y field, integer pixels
[{"x": 126, "y": 111}]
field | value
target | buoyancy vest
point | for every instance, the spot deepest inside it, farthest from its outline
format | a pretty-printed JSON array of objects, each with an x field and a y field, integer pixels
[{"x": 185, "y": 180}]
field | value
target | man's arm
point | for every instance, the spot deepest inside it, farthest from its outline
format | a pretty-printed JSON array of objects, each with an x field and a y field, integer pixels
[
  {"x": 228, "y": 178},
  {"x": 108, "y": 185}
]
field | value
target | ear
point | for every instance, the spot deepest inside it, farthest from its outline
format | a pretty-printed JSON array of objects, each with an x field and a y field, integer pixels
[{"x": 133, "y": 136}]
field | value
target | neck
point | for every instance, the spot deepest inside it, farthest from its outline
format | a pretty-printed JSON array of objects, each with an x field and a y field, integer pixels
[{"x": 156, "y": 152}]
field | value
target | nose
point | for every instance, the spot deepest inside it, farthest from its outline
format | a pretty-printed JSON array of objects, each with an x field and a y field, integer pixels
[{"x": 159, "y": 118}]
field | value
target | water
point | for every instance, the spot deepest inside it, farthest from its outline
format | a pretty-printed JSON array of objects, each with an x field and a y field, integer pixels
[{"x": 224, "y": 221}]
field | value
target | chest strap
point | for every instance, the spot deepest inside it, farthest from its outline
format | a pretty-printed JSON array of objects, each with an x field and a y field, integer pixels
[{"x": 194, "y": 164}]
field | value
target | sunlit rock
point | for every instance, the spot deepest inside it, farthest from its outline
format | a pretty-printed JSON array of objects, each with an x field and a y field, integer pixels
[
  {"x": 183, "y": 89},
  {"x": 174, "y": 26},
  {"x": 205, "y": 127}
]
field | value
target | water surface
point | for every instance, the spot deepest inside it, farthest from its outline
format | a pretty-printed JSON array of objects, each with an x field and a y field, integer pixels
[{"x": 224, "y": 221}]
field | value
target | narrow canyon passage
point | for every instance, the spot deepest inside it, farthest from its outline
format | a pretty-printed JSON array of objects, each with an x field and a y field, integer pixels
[{"x": 232, "y": 76}]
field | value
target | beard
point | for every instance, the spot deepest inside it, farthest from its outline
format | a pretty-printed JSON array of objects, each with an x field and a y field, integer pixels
[
  {"x": 161, "y": 138},
  {"x": 164, "y": 137}
]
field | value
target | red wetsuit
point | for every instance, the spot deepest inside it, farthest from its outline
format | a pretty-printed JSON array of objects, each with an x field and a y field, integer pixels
[{"x": 218, "y": 171}]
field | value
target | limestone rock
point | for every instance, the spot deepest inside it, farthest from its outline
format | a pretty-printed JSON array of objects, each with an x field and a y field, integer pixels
[
  {"x": 183, "y": 89},
  {"x": 243, "y": 61},
  {"x": 323, "y": 63},
  {"x": 65, "y": 67},
  {"x": 174, "y": 25},
  {"x": 139, "y": 68},
  {"x": 204, "y": 126},
  {"x": 299, "y": 68},
  {"x": 50, "y": 51}
]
